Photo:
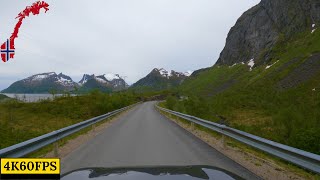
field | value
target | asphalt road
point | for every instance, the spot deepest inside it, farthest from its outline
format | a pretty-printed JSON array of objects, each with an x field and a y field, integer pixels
[{"x": 144, "y": 137}]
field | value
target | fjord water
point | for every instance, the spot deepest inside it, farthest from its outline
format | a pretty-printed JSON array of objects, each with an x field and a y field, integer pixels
[{"x": 32, "y": 97}]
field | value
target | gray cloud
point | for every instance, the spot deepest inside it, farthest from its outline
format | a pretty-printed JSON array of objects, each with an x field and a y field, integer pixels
[{"x": 129, "y": 37}]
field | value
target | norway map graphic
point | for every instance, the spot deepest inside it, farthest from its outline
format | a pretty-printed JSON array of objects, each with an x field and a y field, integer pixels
[{"x": 7, "y": 49}]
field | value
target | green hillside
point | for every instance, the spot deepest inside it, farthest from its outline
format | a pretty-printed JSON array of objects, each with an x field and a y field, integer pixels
[{"x": 281, "y": 103}]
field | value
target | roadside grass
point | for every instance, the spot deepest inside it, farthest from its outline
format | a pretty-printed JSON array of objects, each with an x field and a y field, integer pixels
[
  {"x": 291, "y": 119},
  {"x": 23, "y": 121},
  {"x": 250, "y": 151},
  {"x": 51, "y": 148}
]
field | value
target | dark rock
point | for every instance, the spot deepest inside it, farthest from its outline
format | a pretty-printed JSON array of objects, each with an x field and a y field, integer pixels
[{"x": 260, "y": 28}]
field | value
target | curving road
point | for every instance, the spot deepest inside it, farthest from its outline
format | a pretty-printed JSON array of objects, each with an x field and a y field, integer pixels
[{"x": 144, "y": 137}]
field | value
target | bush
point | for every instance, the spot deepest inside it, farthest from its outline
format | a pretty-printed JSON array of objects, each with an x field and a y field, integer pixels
[{"x": 171, "y": 102}]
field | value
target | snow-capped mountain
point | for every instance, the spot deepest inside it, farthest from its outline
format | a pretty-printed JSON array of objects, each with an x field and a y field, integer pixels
[
  {"x": 111, "y": 77},
  {"x": 85, "y": 78},
  {"x": 46, "y": 82},
  {"x": 42, "y": 83},
  {"x": 172, "y": 73},
  {"x": 188, "y": 73},
  {"x": 105, "y": 82},
  {"x": 61, "y": 79},
  {"x": 159, "y": 79}
]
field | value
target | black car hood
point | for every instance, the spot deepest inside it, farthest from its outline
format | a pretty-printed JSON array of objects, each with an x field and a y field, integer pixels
[{"x": 167, "y": 173}]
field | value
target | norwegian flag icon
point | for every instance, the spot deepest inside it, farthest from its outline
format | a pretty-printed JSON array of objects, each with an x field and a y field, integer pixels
[{"x": 7, "y": 51}]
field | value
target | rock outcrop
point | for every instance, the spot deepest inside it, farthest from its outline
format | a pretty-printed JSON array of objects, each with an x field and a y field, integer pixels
[{"x": 261, "y": 27}]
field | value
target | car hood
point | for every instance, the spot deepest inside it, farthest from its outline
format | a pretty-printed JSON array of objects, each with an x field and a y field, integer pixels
[{"x": 150, "y": 173}]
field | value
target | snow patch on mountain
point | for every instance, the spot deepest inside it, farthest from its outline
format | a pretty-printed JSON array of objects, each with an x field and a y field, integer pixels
[
  {"x": 235, "y": 64},
  {"x": 65, "y": 82},
  {"x": 111, "y": 77},
  {"x": 170, "y": 73},
  {"x": 165, "y": 73},
  {"x": 101, "y": 80},
  {"x": 251, "y": 64},
  {"x": 85, "y": 79},
  {"x": 188, "y": 73},
  {"x": 313, "y": 28},
  {"x": 269, "y": 66},
  {"x": 40, "y": 77}
]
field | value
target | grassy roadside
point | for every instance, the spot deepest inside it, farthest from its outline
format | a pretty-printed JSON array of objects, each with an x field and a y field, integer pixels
[
  {"x": 253, "y": 159},
  {"x": 23, "y": 121}
]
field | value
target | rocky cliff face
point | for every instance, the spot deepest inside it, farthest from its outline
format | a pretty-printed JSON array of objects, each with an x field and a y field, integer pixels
[{"x": 260, "y": 28}]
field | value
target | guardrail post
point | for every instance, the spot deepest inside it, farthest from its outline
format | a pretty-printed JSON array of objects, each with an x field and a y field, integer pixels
[
  {"x": 56, "y": 149},
  {"x": 192, "y": 126},
  {"x": 223, "y": 142}
]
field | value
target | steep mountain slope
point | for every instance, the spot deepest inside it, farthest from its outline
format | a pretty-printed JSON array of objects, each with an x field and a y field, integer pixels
[
  {"x": 42, "y": 83},
  {"x": 105, "y": 83},
  {"x": 260, "y": 28},
  {"x": 266, "y": 81},
  {"x": 160, "y": 79}
]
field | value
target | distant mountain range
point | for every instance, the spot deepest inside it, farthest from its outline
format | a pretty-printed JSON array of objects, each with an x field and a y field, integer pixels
[
  {"x": 157, "y": 79},
  {"x": 47, "y": 82},
  {"x": 160, "y": 79}
]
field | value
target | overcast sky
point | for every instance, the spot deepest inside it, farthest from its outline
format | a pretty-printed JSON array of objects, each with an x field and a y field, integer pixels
[{"x": 127, "y": 37}]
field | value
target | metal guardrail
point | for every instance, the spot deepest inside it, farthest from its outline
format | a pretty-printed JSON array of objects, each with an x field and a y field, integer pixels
[
  {"x": 27, "y": 147},
  {"x": 296, "y": 156}
]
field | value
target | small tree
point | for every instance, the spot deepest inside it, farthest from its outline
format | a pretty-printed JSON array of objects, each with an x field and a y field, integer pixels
[
  {"x": 24, "y": 98},
  {"x": 53, "y": 92},
  {"x": 76, "y": 90}
]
